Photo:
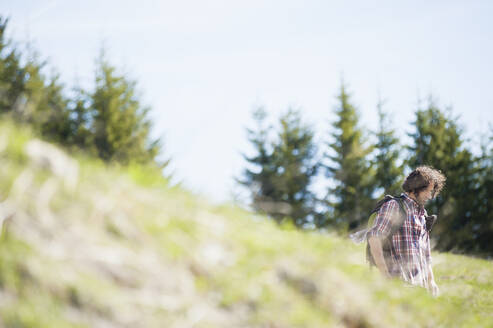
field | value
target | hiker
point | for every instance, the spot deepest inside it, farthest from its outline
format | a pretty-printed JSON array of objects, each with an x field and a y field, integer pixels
[{"x": 408, "y": 254}]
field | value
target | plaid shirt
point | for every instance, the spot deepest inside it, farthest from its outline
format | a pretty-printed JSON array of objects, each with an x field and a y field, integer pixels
[{"x": 410, "y": 247}]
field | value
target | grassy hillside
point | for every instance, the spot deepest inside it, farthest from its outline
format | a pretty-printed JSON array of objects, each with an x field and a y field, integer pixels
[{"x": 85, "y": 245}]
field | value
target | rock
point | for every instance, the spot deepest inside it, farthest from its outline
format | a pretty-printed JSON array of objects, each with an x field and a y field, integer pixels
[{"x": 53, "y": 159}]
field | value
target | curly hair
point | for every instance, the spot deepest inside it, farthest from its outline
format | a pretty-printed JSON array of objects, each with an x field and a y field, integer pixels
[{"x": 419, "y": 179}]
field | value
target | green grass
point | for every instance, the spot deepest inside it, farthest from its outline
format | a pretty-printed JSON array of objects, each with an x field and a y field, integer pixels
[{"x": 125, "y": 248}]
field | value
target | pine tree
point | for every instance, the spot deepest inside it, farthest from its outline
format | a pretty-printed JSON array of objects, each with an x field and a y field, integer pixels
[
  {"x": 109, "y": 122},
  {"x": 294, "y": 155},
  {"x": 476, "y": 233},
  {"x": 51, "y": 115},
  {"x": 283, "y": 169},
  {"x": 120, "y": 124},
  {"x": 81, "y": 120},
  {"x": 349, "y": 169},
  {"x": 260, "y": 178},
  {"x": 437, "y": 141},
  {"x": 388, "y": 173},
  {"x": 482, "y": 227},
  {"x": 27, "y": 95},
  {"x": 12, "y": 73}
]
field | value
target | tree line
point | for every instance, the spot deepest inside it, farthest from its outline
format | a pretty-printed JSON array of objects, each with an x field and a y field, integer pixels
[
  {"x": 360, "y": 170},
  {"x": 108, "y": 120}
]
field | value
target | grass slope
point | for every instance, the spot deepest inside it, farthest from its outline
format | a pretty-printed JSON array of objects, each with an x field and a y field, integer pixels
[{"x": 86, "y": 245}]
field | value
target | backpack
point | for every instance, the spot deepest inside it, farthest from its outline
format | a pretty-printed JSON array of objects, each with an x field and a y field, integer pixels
[{"x": 396, "y": 225}]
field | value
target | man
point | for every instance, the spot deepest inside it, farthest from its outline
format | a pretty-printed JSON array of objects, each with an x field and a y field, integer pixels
[{"x": 410, "y": 255}]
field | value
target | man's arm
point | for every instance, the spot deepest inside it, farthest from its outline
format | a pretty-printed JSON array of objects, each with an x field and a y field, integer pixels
[
  {"x": 380, "y": 230},
  {"x": 432, "y": 286},
  {"x": 377, "y": 253},
  {"x": 431, "y": 278}
]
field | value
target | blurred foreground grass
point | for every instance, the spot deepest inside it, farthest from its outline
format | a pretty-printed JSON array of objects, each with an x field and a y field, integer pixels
[{"x": 87, "y": 245}]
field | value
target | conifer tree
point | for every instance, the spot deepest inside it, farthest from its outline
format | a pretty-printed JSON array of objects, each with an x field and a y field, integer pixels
[
  {"x": 294, "y": 154},
  {"x": 283, "y": 170},
  {"x": 81, "y": 120},
  {"x": 27, "y": 95},
  {"x": 388, "y": 172},
  {"x": 12, "y": 73},
  {"x": 482, "y": 227},
  {"x": 437, "y": 141},
  {"x": 259, "y": 177},
  {"x": 120, "y": 124},
  {"x": 349, "y": 169},
  {"x": 51, "y": 116},
  {"x": 109, "y": 122}
]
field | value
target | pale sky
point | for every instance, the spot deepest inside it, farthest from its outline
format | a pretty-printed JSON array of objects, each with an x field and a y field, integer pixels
[{"x": 204, "y": 65}]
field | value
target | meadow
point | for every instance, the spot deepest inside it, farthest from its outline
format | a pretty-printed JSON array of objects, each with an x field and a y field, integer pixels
[{"x": 85, "y": 244}]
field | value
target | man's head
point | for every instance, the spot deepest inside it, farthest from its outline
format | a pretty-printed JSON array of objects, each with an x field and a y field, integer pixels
[{"x": 424, "y": 183}]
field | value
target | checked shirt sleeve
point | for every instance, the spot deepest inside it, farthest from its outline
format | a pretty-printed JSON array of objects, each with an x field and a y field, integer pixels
[{"x": 383, "y": 222}]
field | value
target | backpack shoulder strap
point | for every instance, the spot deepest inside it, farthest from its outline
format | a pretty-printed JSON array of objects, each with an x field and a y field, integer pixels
[
  {"x": 402, "y": 209},
  {"x": 381, "y": 202},
  {"x": 397, "y": 224},
  {"x": 402, "y": 217}
]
